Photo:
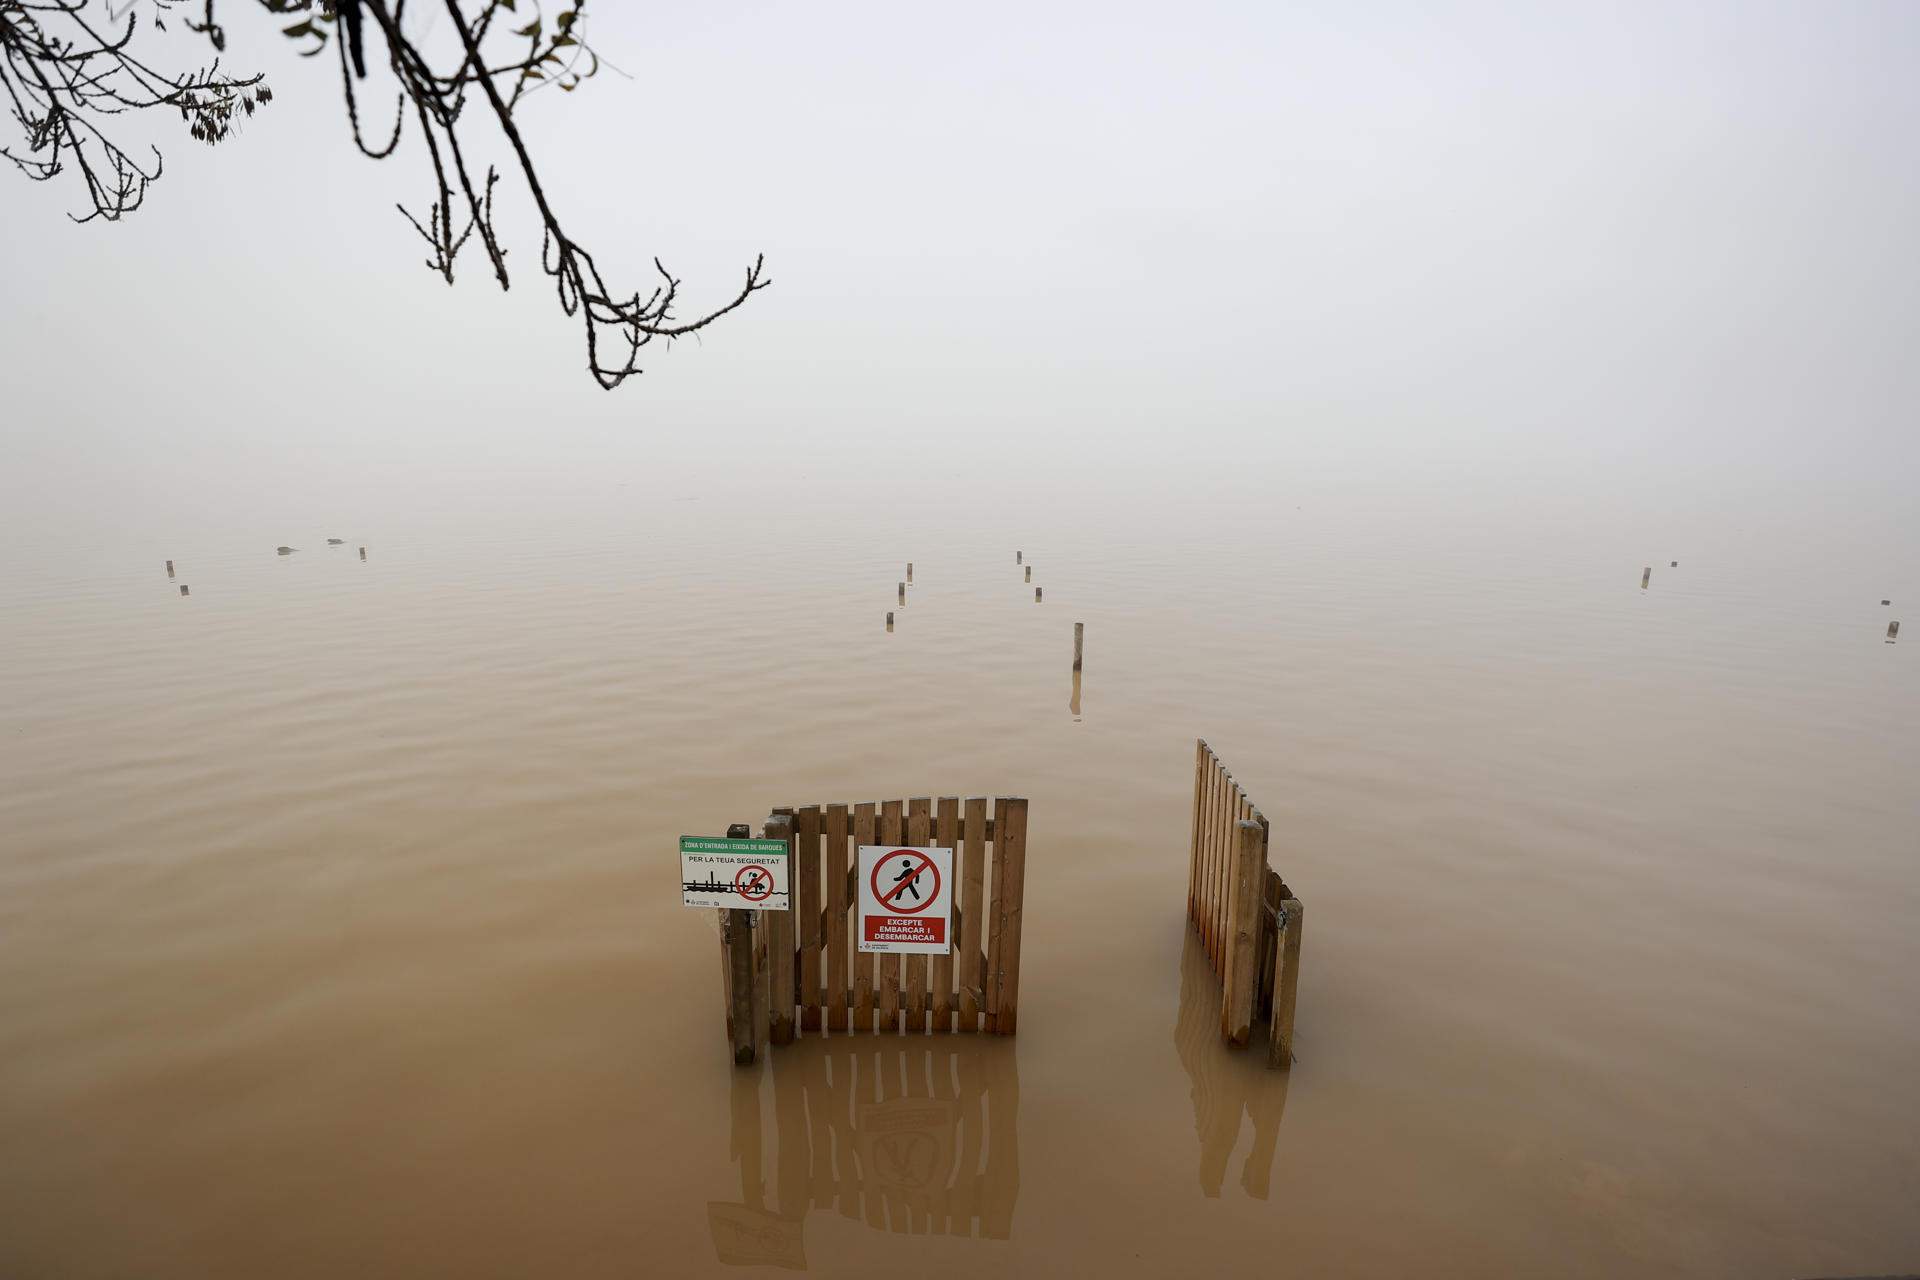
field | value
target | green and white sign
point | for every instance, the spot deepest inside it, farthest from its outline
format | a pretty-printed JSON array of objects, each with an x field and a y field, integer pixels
[{"x": 748, "y": 875}]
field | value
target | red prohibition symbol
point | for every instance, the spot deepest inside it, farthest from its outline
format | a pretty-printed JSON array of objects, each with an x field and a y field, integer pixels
[
  {"x": 909, "y": 867},
  {"x": 753, "y": 882}
]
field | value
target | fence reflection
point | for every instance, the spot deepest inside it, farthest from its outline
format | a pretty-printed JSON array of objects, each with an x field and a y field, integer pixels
[
  {"x": 1226, "y": 1085},
  {"x": 916, "y": 1138}
]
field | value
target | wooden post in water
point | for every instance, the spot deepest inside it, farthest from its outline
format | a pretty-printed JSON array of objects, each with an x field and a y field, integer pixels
[
  {"x": 909, "y": 571},
  {"x": 1036, "y": 595},
  {"x": 1243, "y": 936},
  {"x": 183, "y": 591},
  {"x": 1286, "y": 984},
  {"x": 889, "y": 619},
  {"x": 736, "y": 936},
  {"x": 903, "y": 593},
  {"x": 1893, "y": 628},
  {"x": 1079, "y": 644},
  {"x": 1017, "y": 555},
  {"x": 1029, "y": 573},
  {"x": 169, "y": 568},
  {"x": 1646, "y": 576},
  {"x": 1009, "y": 889},
  {"x": 363, "y": 553},
  {"x": 779, "y": 927}
]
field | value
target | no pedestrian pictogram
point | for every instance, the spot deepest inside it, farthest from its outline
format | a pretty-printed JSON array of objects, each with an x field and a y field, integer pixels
[{"x": 906, "y": 900}]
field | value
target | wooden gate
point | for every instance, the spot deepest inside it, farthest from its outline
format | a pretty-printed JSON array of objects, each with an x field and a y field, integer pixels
[
  {"x": 1247, "y": 917},
  {"x": 799, "y": 973}
]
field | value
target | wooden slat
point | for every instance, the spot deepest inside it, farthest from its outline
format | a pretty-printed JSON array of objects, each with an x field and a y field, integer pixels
[
  {"x": 1286, "y": 987},
  {"x": 892, "y": 828},
  {"x": 778, "y": 926},
  {"x": 919, "y": 836},
  {"x": 1193, "y": 852},
  {"x": 1209, "y": 838},
  {"x": 973, "y": 881},
  {"x": 806, "y": 870},
  {"x": 948, "y": 836},
  {"x": 1243, "y": 943},
  {"x": 863, "y": 962},
  {"x": 1009, "y": 886},
  {"x": 835, "y": 860},
  {"x": 1223, "y": 866}
]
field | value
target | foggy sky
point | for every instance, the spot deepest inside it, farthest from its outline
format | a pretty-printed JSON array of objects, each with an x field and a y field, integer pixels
[{"x": 1530, "y": 244}]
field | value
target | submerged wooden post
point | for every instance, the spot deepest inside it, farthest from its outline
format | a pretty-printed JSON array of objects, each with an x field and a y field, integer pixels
[
  {"x": 736, "y": 937},
  {"x": 1009, "y": 890},
  {"x": 1893, "y": 628},
  {"x": 1286, "y": 984},
  {"x": 1017, "y": 555},
  {"x": 780, "y": 938},
  {"x": 1243, "y": 937},
  {"x": 363, "y": 553},
  {"x": 909, "y": 571},
  {"x": 1079, "y": 643}
]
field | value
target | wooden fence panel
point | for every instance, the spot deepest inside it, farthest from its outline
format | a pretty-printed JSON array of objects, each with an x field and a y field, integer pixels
[{"x": 1247, "y": 920}]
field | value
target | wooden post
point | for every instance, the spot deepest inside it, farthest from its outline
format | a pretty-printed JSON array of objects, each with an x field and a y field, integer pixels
[
  {"x": 1646, "y": 575},
  {"x": 919, "y": 836},
  {"x": 909, "y": 571},
  {"x": 183, "y": 591},
  {"x": 1193, "y": 852},
  {"x": 863, "y": 961},
  {"x": 1009, "y": 885},
  {"x": 1893, "y": 628},
  {"x": 806, "y": 904},
  {"x": 1017, "y": 555},
  {"x": 1286, "y": 984},
  {"x": 892, "y": 828},
  {"x": 903, "y": 593},
  {"x": 973, "y": 881},
  {"x": 1029, "y": 573},
  {"x": 838, "y": 882},
  {"x": 738, "y": 939},
  {"x": 1079, "y": 642},
  {"x": 363, "y": 553},
  {"x": 779, "y": 930},
  {"x": 1036, "y": 595},
  {"x": 169, "y": 568},
  {"x": 947, "y": 835},
  {"x": 1243, "y": 941},
  {"x": 889, "y": 619}
]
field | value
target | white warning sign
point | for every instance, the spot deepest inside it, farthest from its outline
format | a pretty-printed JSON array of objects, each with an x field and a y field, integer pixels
[
  {"x": 750, "y": 875},
  {"x": 906, "y": 900}
]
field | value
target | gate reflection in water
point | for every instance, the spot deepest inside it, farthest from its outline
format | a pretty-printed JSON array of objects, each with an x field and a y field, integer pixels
[
  {"x": 1226, "y": 1084},
  {"x": 904, "y": 1136}
]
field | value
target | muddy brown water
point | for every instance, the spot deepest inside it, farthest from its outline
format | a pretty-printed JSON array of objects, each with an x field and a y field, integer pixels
[{"x": 339, "y": 931}]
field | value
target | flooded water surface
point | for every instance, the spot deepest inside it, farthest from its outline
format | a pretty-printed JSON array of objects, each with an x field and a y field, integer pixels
[{"x": 340, "y": 932}]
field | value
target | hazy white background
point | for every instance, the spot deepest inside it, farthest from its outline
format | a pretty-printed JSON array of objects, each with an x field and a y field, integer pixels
[{"x": 1654, "y": 256}]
